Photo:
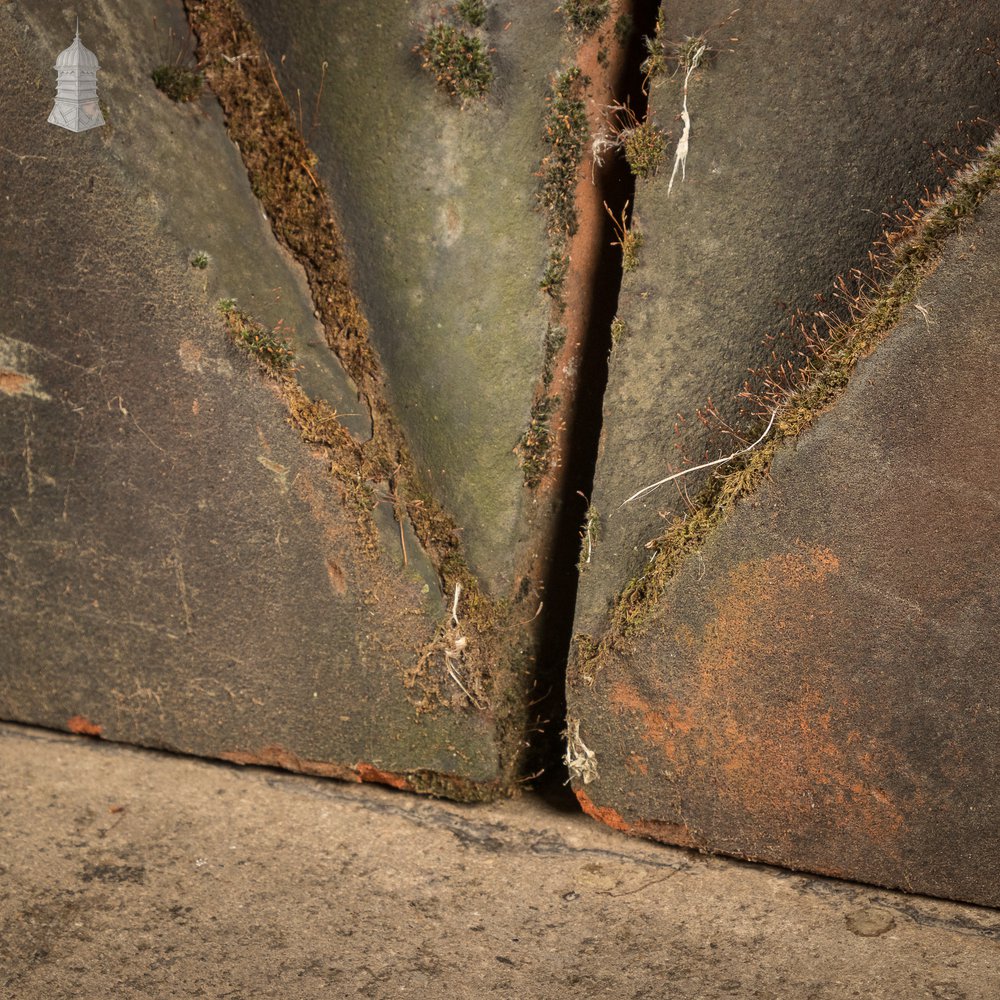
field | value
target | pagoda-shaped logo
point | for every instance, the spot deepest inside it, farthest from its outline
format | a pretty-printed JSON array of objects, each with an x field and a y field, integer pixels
[{"x": 76, "y": 106}]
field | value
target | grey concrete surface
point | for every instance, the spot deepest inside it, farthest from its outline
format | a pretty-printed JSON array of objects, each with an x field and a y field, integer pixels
[{"x": 134, "y": 874}]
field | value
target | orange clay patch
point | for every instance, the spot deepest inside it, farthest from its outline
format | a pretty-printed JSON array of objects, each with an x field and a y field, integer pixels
[
  {"x": 82, "y": 726},
  {"x": 368, "y": 773},
  {"x": 669, "y": 833},
  {"x": 14, "y": 383},
  {"x": 276, "y": 756},
  {"x": 604, "y": 814},
  {"x": 659, "y": 729}
]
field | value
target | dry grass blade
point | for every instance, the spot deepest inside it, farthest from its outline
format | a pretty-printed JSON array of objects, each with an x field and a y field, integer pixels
[{"x": 646, "y": 490}]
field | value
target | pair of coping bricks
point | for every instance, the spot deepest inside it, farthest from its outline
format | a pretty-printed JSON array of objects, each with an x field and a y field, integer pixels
[{"x": 183, "y": 569}]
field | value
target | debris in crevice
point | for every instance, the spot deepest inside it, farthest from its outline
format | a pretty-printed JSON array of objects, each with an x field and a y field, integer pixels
[
  {"x": 587, "y": 268},
  {"x": 580, "y": 760}
]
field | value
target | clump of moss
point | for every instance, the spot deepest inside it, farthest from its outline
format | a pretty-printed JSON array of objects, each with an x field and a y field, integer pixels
[
  {"x": 629, "y": 238},
  {"x": 556, "y": 267},
  {"x": 536, "y": 442},
  {"x": 472, "y": 12},
  {"x": 642, "y": 143},
  {"x": 617, "y": 330},
  {"x": 623, "y": 28},
  {"x": 179, "y": 83},
  {"x": 199, "y": 260},
  {"x": 644, "y": 147},
  {"x": 631, "y": 242},
  {"x": 555, "y": 337},
  {"x": 586, "y": 16},
  {"x": 458, "y": 60},
  {"x": 565, "y": 135},
  {"x": 271, "y": 352}
]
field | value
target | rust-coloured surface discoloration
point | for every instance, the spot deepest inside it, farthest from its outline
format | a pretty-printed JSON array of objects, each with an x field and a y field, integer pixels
[
  {"x": 277, "y": 756},
  {"x": 372, "y": 774},
  {"x": 783, "y": 757},
  {"x": 818, "y": 686},
  {"x": 82, "y": 726},
  {"x": 668, "y": 833},
  {"x": 14, "y": 383}
]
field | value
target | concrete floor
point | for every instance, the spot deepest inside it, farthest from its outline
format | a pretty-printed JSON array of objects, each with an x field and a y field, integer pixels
[{"x": 127, "y": 873}]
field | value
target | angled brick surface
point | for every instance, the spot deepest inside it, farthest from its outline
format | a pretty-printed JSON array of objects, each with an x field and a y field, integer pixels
[
  {"x": 808, "y": 123},
  {"x": 818, "y": 686},
  {"x": 179, "y": 568}
]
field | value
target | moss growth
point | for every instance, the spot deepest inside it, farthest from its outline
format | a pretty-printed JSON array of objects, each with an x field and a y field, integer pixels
[
  {"x": 179, "y": 83},
  {"x": 271, "y": 352},
  {"x": 586, "y": 16},
  {"x": 630, "y": 240},
  {"x": 473, "y": 12},
  {"x": 623, "y": 28},
  {"x": 617, "y": 330},
  {"x": 554, "y": 274},
  {"x": 458, "y": 60},
  {"x": 199, "y": 260},
  {"x": 565, "y": 135},
  {"x": 802, "y": 395},
  {"x": 536, "y": 442},
  {"x": 631, "y": 243},
  {"x": 555, "y": 337},
  {"x": 656, "y": 62},
  {"x": 644, "y": 148}
]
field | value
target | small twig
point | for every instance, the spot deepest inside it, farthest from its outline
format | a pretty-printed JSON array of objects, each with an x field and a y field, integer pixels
[
  {"x": 305, "y": 167},
  {"x": 646, "y": 490},
  {"x": 468, "y": 694},
  {"x": 402, "y": 542},
  {"x": 270, "y": 66},
  {"x": 541, "y": 604},
  {"x": 632, "y": 892}
]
